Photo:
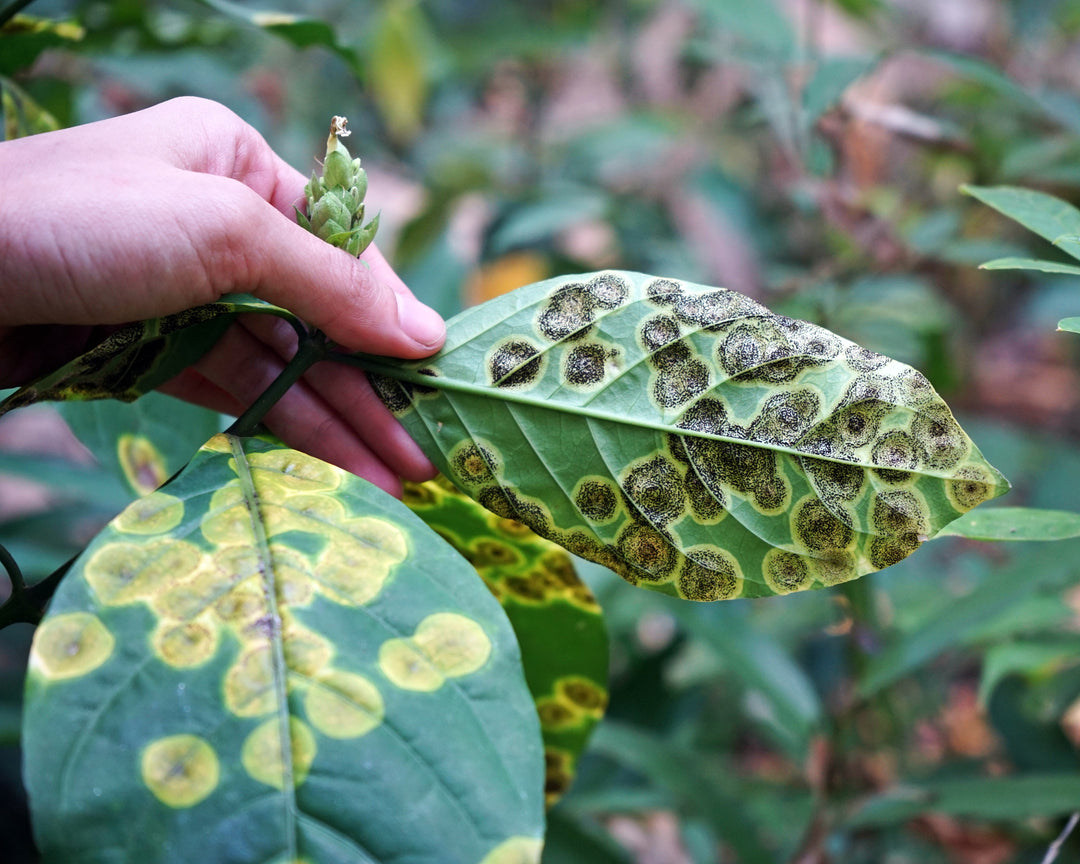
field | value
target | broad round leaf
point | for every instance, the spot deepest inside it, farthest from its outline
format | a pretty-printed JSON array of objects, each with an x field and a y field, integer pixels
[
  {"x": 557, "y": 621},
  {"x": 687, "y": 437},
  {"x": 270, "y": 660}
]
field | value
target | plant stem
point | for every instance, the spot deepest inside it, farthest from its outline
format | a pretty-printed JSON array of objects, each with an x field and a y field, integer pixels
[
  {"x": 27, "y": 603},
  {"x": 312, "y": 349}
]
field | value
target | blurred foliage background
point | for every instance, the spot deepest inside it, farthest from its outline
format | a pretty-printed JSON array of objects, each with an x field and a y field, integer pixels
[{"x": 807, "y": 153}]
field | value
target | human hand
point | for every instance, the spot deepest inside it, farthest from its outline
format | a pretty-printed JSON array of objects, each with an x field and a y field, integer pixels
[{"x": 169, "y": 208}]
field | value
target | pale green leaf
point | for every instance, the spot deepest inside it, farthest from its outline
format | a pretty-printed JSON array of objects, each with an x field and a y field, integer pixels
[
  {"x": 1031, "y": 264},
  {"x": 1051, "y": 218},
  {"x": 271, "y": 660},
  {"x": 1015, "y": 523},
  {"x": 686, "y": 437},
  {"x": 1069, "y": 325}
]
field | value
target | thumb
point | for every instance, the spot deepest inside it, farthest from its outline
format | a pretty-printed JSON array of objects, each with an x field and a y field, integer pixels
[{"x": 361, "y": 304}]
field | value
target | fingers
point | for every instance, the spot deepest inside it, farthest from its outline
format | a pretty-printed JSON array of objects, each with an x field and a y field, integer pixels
[{"x": 333, "y": 414}]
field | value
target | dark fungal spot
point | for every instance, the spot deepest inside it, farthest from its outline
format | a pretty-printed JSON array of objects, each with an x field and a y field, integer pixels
[
  {"x": 492, "y": 553},
  {"x": 897, "y": 450},
  {"x": 898, "y": 512},
  {"x": 969, "y": 489},
  {"x": 655, "y": 488},
  {"x": 671, "y": 357},
  {"x": 815, "y": 526},
  {"x": 395, "y": 395},
  {"x": 867, "y": 387},
  {"x": 585, "y": 365},
  {"x": 423, "y": 389},
  {"x": 475, "y": 464},
  {"x": 857, "y": 425},
  {"x": 556, "y": 783},
  {"x": 833, "y": 567},
  {"x": 651, "y": 554},
  {"x": 715, "y": 309},
  {"x": 785, "y": 571},
  {"x": 663, "y": 292},
  {"x": 675, "y": 387},
  {"x": 509, "y": 505},
  {"x": 785, "y": 417},
  {"x": 596, "y": 501},
  {"x": 705, "y": 504},
  {"x": 569, "y": 312},
  {"x": 836, "y": 483},
  {"x": 812, "y": 343},
  {"x": 608, "y": 290},
  {"x": 886, "y": 551},
  {"x": 707, "y": 416},
  {"x": 554, "y": 713},
  {"x": 559, "y": 565},
  {"x": 582, "y": 692},
  {"x": 862, "y": 359},
  {"x": 658, "y": 331},
  {"x": 725, "y": 463},
  {"x": 675, "y": 447},
  {"x": 525, "y": 588},
  {"x": 710, "y": 574},
  {"x": 914, "y": 389},
  {"x": 516, "y": 363},
  {"x": 943, "y": 441},
  {"x": 771, "y": 492}
]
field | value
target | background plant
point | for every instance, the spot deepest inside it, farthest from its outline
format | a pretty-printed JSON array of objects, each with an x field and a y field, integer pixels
[{"x": 765, "y": 152}]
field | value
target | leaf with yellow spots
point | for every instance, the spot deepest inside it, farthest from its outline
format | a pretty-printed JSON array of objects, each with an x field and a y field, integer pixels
[
  {"x": 686, "y": 437},
  {"x": 558, "y": 623},
  {"x": 269, "y": 659}
]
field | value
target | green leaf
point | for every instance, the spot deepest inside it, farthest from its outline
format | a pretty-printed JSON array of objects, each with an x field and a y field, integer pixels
[
  {"x": 1031, "y": 264},
  {"x": 1038, "y": 658},
  {"x": 1048, "y": 216},
  {"x": 1015, "y": 523},
  {"x": 24, "y": 37},
  {"x": 1006, "y": 799},
  {"x": 963, "y": 617},
  {"x": 698, "y": 782},
  {"x": 557, "y": 621},
  {"x": 300, "y": 30},
  {"x": 22, "y": 115},
  {"x": 686, "y": 437},
  {"x": 1069, "y": 325},
  {"x": 139, "y": 357},
  {"x": 398, "y": 67},
  {"x": 271, "y": 660}
]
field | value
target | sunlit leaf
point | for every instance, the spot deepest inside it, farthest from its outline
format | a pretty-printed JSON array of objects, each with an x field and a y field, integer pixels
[
  {"x": 1031, "y": 264},
  {"x": 558, "y": 623},
  {"x": 1051, "y": 218},
  {"x": 271, "y": 660},
  {"x": 139, "y": 357},
  {"x": 686, "y": 437},
  {"x": 1015, "y": 523},
  {"x": 397, "y": 67}
]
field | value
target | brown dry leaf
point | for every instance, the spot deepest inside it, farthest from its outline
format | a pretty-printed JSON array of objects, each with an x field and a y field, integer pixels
[
  {"x": 967, "y": 844},
  {"x": 505, "y": 274},
  {"x": 964, "y": 723}
]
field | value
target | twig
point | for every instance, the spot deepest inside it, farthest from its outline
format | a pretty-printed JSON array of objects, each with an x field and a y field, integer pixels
[{"x": 1055, "y": 847}]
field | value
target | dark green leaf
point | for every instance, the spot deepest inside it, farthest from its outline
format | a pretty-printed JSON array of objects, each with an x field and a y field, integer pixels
[
  {"x": 686, "y": 437},
  {"x": 24, "y": 37},
  {"x": 556, "y": 619},
  {"x": 271, "y": 660},
  {"x": 1049, "y": 217},
  {"x": 1034, "y": 658}
]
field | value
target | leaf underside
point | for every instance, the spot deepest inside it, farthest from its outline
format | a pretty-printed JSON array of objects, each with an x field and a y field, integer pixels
[
  {"x": 687, "y": 437},
  {"x": 141, "y": 356},
  {"x": 270, "y": 660},
  {"x": 556, "y": 619}
]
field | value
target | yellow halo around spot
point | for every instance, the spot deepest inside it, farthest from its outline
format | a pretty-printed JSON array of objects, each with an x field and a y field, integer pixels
[
  {"x": 516, "y": 850},
  {"x": 294, "y": 471},
  {"x": 70, "y": 645},
  {"x": 185, "y": 644},
  {"x": 180, "y": 770},
  {"x": 263, "y": 753},
  {"x": 154, "y": 514},
  {"x": 249, "y": 683},
  {"x": 121, "y": 573},
  {"x": 456, "y": 645},
  {"x": 407, "y": 667},
  {"x": 342, "y": 705},
  {"x": 144, "y": 465},
  {"x": 228, "y": 519}
]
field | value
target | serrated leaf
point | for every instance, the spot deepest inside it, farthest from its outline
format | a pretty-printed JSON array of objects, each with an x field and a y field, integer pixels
[
  {"x": 686, "y": 437},
  {"x": 139, "y": 357},
  {"x": 557, "y": 621},
  {"x": 1031, "y": 264},
  {"x": 1051, "y": 218},
  {"x": 271, "y": 660},
  {"x": 1015, "y": 523}
]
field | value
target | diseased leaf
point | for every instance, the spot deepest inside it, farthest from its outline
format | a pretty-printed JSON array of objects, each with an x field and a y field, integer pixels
[
  {"x": 271, "y": 660},
  {"x": 558, "y": 623},
  {"x": 686, "y": 437},
  {"x": 139, "y": 357},
  {"x": 1015, "y": 523}
]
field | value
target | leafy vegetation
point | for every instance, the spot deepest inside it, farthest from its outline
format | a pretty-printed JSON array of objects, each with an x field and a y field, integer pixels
[{"x": 924, "y": 713}]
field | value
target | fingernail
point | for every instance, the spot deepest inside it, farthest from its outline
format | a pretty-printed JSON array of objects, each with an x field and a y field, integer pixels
[{"x": 421, "y": 323}]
